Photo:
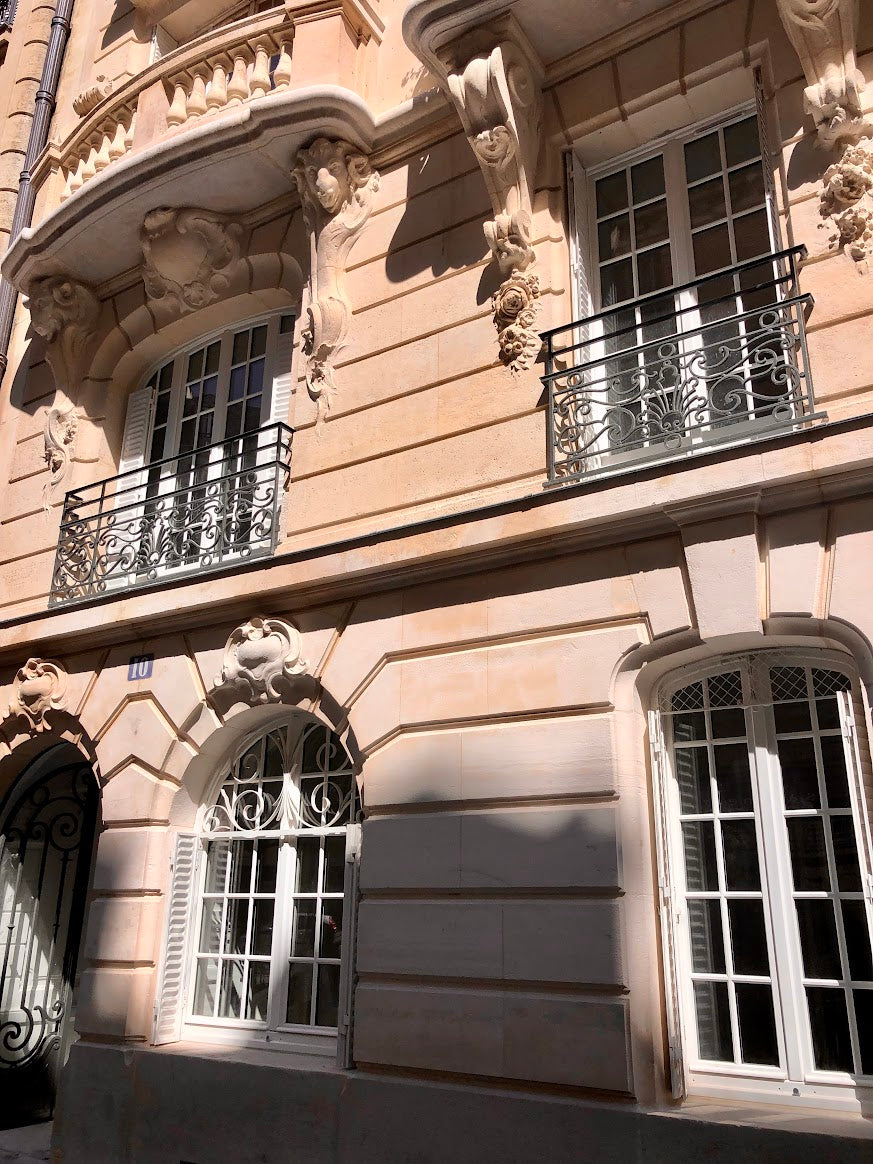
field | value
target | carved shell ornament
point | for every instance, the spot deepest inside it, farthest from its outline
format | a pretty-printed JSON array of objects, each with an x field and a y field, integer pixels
[
  {"x": 39, "y": 687},
  {"x": 187, "y": 256},
  {"x": 260, "y": 657}
]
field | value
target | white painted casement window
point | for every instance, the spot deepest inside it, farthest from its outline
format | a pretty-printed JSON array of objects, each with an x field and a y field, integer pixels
[
  {"x": 766, "y": 880},
  {"x": 262, "y": 908}
]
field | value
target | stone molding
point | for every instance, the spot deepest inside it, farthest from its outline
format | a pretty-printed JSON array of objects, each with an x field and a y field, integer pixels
[
  {"x": 495, "y": 81},
  {"x": 39, "y": 687},
  {"x": 88, "y": 100},
  {"x": 337, "y": 188},
  {"x": 824, "y": 36},
  {"x": 260, "y": 657},
  {"x": 846, "y": 202},
  {"x": 187, "y": 255}
]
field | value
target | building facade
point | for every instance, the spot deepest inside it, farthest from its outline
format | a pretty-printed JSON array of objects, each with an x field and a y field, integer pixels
[{"x": 435, "y": 541}]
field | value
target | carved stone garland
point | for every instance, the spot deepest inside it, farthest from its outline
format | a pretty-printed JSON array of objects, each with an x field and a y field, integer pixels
[
  {"x": 823, "y": 33},
  {"x": 64, "y": 312},
  {"x": 494, "y": 79},
  {"x": 39, "y": 687},
  {"x": 187, "y": 256},
  {"x": 337, "y": 192},
  {"x": 847, "y": 202},
  {"x": 260, "y": 657}
]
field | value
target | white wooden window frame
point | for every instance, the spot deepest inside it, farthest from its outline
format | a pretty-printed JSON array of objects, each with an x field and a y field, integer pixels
[
  {"x": 799, "y": 1081},
  {"x": 584, "y": 249},
  {"x": 179, "y": 964}
]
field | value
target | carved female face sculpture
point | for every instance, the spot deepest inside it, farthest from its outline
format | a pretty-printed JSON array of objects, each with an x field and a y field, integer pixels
[{"x": 494, "y": 147}]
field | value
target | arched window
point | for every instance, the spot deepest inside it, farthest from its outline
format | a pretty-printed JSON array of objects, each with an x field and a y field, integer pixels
[
  {"x": 766, "y": 855},
  {"x": 272, "y": 894}
]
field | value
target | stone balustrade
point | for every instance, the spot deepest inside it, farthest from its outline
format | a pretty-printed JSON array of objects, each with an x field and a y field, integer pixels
[{"x": 216, "y": 72}]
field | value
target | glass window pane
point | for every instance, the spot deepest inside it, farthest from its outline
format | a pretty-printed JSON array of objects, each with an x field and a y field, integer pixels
[
  {"x": 237, "y": 384},
  {"x": 286, "y": 324},
  {"x": 732, "y": 777},
  {"x": 757, "y": 1023},
  {"x": 846, "y": 854},
  {"x": 741, "y": 141},
  {"x": 331, "y": 927},
  {"x": 689, "y": 725},
  {"x": 706, "y": 202},
  {"x": 707, "y": 942},
  {"x": 258, "y": 991},
  {"x": 651, "y": 225},
  {"x": 647, "y": 179},
  {"x": 256, "y": 378},
  {"x": 792, "y": 717},
  {"x": 864, "y": 1019},
  {"x": 725, "y": 690},
  {"x": 212, "y": 357},
  {"x": 688, "y": 698},
  {"x": 216, "y": 865},
  {"x": 299, "y": 993},
  {"x": 713, "y": 1021},
  {"x": 259, "y": 341},
  {"x": 614, "y": 237},
  {"x": 307, "y": 864},
  {"x": 268, "y": 860},
  {"x": 195, "y": 366},
  {"x": 828, "y": 713},
  {"x": 752, "y": 235},
  {"x": 210, "y": 927},
  {"x": 701, "y": 871},
  {"x": 230, "y": 1002},
  {"x": 829, "y": 1022},
  {"x": 328, "y": 996},
  {"x": 262, "y": 927},
  {"x": 799, "y": 773},
  {"x": 712, "y": 250},
  {"x": 729, "y": 721},
  {"x": 702, "y": 157},
  {"x": 833, "y": 756},
  {"x": 235, "y": 926},
  {"x": 240, "y": 347},
  {"x": 654, "y": 270},
  {"x": 241, "y": 867},
  {"x": 204, "y": 990},
  {"x": 818, "y": 939},
  {"x": 692, "y": 776},
  {"x": 808, "y": 861},
  {"x": 857, "y": 931},
  {"x": 303, "y": 945},
  {"x": 740, "y": 854},
  {"x": 611, "y": 194},
  {"x": 616, "y": 283},
  {"x": 747, "y": 187},
  {"x": 335, "y": 864},
  {"x": 748, "y": 936}
]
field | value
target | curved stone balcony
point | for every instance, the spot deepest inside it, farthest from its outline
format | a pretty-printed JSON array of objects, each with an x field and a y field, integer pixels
[{"x": 214, "y": 124}]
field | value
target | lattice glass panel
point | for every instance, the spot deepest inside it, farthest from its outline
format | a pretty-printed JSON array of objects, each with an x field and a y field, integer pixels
[
  {"x": 725, "y": 690},
  {"x": 829, "y": 682},
  {"x": 788, "y": 683},
  {"x": 688, "y": 698}
]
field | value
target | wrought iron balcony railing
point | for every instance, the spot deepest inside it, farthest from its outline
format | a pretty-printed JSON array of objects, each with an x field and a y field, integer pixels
[
  {"x": 720, "y": 360},
  {"x": 200, "y": 511},
  {"x": 7, "y": 13}
]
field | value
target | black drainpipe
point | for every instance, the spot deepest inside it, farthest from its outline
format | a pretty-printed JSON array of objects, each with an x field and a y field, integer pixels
[{"x": 43, "y": 109}]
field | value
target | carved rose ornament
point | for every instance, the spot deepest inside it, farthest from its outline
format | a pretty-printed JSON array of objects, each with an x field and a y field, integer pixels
[
  {"x": 39, "y": 687},
  {"x": 260, "y": 657},
  {"x": 847, "y": 202}
]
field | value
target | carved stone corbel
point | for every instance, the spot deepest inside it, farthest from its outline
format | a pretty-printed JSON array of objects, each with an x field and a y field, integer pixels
[
  {"x": 39, "y": 687},
  {"x": 337, "y": 189},
  {"x": 824, "y": 33},
  {"x": 64, "y": 312},
  {"x": 260, "y": 658},
  {"x": 495, "y": 79},
  {"x": 187, "y": 256}
]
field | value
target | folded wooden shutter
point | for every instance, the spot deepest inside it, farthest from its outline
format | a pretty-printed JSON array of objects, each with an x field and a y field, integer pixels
[
  {"x": 170, "y": 995},
  {"x": 349, "y": 944},
  {"x": 667, "y": 909},
  {"x": 136, "y": 429}
]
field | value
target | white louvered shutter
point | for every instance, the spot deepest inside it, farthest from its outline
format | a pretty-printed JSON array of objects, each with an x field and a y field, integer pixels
[
  {"x": 136, "y": 429},
  {"x": 349, "y": 945},
  {"x": 282, "y": 384},
  {"x": 170, "y": 996},
  {"x": 667, "y": 910}
]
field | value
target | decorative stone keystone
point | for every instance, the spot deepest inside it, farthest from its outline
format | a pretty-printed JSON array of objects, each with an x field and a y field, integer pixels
[
  {"x": 187, "y": 256},
  {"x": 824, "y": 35},
  {"x": 39, "y": 687},
  {"x": 337, "y": 191},
  {"x": 260, "y": 657}
]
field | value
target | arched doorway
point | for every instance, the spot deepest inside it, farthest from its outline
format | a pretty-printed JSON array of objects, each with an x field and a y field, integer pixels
[{"x": 47, "y": 826}]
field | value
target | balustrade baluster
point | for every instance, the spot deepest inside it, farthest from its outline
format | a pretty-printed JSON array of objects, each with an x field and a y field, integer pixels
[
  {"x": 216, "y": 98},
  {"x": 197, "y": 97},
  {"x": 118, "y": 145},
  {"x": 238, "y": 88},
  {"x": 282, "y": 71},
  {"x": 102, "y": 158},
  {"x": 178, "y": 112},
  {"x": 260, "y": 81}
]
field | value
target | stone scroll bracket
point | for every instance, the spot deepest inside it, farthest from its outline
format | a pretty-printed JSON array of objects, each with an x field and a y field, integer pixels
[
  {"x": 824, "y": 35},
  {"x": 337, "y": 187},
  {"x": 494, "y": 79},
  {"x": 65, "y": 313}
]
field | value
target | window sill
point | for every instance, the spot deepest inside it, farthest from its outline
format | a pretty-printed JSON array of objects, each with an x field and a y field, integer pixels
[
  {"x": 776, "y": 1117},
  {"x": 261, "y": 1055}
]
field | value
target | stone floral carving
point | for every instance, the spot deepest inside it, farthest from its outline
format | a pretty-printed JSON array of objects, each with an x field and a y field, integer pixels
[
  {"x": 515, "y": 315},
  {"x": 337, "y": 189},
  {"x": 847, "y": 202},
  {"x": 260, "y": 657},
  {"x": 64, "y": 312},
  {"x": 187, "y": 256},
  {"x": 39, "y": 687},
  {"x": 494, "y": 79},
  {"x": 824, "y": 34}
]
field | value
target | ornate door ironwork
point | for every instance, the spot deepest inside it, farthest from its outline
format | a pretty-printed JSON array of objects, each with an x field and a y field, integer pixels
[{"x": 46, "y": 841}]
